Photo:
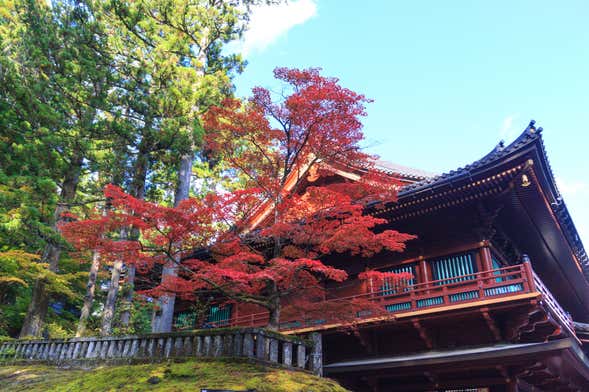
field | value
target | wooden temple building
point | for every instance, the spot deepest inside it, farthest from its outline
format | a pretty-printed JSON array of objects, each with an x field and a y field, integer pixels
[{"x": 499, "y": 299}]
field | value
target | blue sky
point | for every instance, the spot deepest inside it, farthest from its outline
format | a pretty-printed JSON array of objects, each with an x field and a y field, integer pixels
[{"x": 449, "y": 79}]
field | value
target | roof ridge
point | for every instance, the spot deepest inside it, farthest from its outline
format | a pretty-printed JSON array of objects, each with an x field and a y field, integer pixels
[{"x": 529, "y": 134}]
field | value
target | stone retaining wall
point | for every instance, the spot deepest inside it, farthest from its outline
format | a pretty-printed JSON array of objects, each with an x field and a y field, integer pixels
[{"x": 251, "y": 343}]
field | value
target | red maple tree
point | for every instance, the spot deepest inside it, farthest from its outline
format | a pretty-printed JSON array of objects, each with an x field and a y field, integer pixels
[{"x": 267, "y": 245}]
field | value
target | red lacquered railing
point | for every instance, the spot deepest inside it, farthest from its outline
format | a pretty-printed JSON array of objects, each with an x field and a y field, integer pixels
[
  {"x": 481, "y": 286},
  {"x": 562, "y": 317}
]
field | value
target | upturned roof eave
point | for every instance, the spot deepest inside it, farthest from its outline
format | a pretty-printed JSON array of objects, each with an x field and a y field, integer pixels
[{"x": 528, "y": 144}]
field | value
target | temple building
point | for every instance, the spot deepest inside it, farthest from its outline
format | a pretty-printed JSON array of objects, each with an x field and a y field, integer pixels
[{"x": 499, "y": 299}]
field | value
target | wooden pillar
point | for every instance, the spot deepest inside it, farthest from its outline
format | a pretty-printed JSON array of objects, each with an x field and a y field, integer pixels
[
  {"x": 424, "y": 269},
  {"x": 425, "y": 278},
  {"x": 486, "y": 258},
  {"x": 527, "y": 265}
]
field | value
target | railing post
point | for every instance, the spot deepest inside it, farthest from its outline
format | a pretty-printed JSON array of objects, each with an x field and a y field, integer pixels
[
  {"x": 168, "y": 347},
  {"x": 134, "y": 348},
  {"x": 317, "y": 354},
  {"x": 527, "y": 265},
  {"x": 228, "y": 345},
  {"x": 287, "y": 353},
  {"x": 301, "y": 351},
  {"x": 178, "y": 346},
  {"x": 32, "y": 350},
  {"x": 261, "y": 346},
  {"x": 217, "y": 346},
  {"x": 238, "y": 344},
  {"x": 207, "y": 346},
  {"x": 248, "y": 345},
  {"x": 77, "y": 348},
  {"x": 273, "y": 350},
  {"x": 198, "y": 347},
  {"x": 187, "y": 346}
]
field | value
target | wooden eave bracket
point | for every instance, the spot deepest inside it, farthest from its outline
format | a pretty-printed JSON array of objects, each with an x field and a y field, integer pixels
[
  {"x": 491, "y": 324},
  {"x": 422, "y": 333}
]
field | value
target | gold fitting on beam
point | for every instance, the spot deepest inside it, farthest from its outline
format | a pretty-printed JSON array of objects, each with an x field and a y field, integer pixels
[{"x": 525, "y": 181}]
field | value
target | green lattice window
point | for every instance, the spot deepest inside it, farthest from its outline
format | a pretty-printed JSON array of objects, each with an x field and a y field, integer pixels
[
  {"x": 451, "y": 269},
  {"x": 219, "y": 315},
  {"x": 496, "y": 265}
]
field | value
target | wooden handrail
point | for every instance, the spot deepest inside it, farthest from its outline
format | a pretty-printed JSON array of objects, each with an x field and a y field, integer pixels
[
  {"x": 553, "y": 306},
  {"x": 495, "y": 283}
]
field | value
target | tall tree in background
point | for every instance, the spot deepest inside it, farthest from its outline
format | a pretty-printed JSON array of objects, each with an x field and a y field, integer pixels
[
  {"x": 186, "y": 39},
  {"x": 63, "y": 83}
]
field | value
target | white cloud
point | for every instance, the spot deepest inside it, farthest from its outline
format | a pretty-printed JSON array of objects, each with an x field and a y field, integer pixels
[
  {"x": 270, "y": 22},
  {"x": 507, "y": 132}
]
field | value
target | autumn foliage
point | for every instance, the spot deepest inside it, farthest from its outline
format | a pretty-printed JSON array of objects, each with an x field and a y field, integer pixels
[{"x": 266, "y": 245}]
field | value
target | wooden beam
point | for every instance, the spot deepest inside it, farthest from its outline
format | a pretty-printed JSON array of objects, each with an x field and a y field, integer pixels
[
  {"x": 515, "y": 325},
  {"x": 503, "y": 301},
  {"x": 491, "y": 324},
  {"x": 538, "y": 318},
  {"x": 422, "y": 333},
  {"x": 468, "y": 305}
]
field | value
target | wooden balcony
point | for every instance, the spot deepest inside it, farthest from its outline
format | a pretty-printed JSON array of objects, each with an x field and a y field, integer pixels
[{"x": 479, "y": 289}]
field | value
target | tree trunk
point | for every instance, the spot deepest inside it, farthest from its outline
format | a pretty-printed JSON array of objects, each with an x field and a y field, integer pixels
[
  {"x": 274, "y": 315},
  {"x": 109, "y": 306},
  {"x": 89, "y": 297},
  {"x": 37, "y": 311},
  {"x": 184, "y": 177},
  {"x": 163, "y": 319},
  {"x": 127, "y": 300},
  {"x": 138, "y": 191}
]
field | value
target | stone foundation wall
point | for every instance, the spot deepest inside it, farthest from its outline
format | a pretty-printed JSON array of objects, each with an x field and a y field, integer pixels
[{"x": 254, "y": 343}]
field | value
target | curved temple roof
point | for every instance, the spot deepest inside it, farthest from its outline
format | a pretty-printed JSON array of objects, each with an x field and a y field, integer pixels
[
  {"x": 529, "y": 141},
  {"x": 403, "y": 171}
]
